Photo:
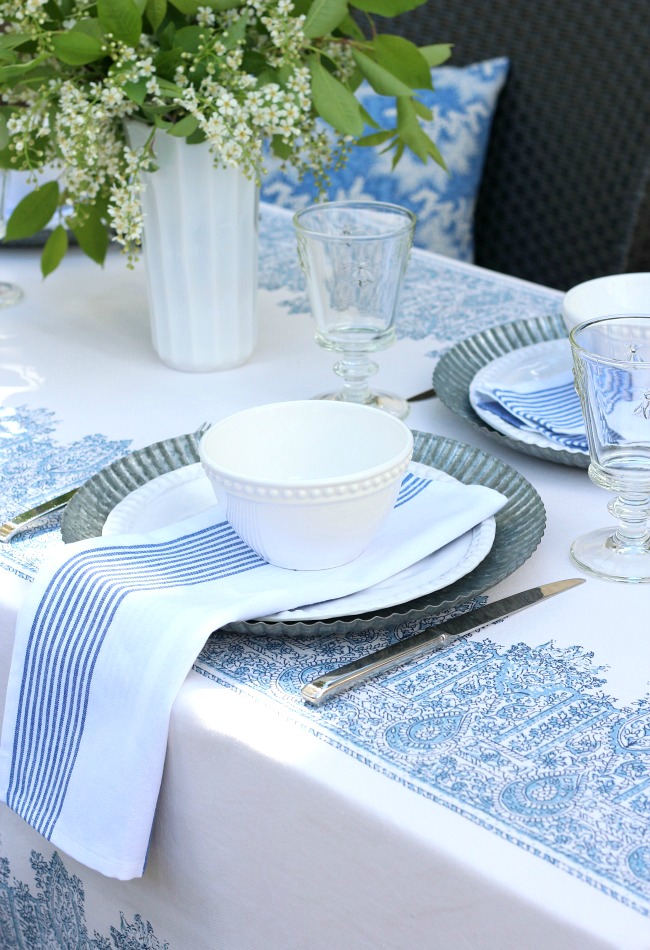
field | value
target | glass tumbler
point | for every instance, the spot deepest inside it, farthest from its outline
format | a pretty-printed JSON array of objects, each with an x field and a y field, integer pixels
[
  {"x": 611, "y": 357},
  {"x": 354, "y": 255}
]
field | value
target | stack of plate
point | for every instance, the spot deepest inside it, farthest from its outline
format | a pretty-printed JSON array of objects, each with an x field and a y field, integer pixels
[
  {"x": 513, "y": 355},
  {"x": 163, "y": 483}
]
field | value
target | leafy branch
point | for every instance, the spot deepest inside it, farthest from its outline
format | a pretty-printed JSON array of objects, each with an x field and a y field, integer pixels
[{"x": 228, "y": 72}]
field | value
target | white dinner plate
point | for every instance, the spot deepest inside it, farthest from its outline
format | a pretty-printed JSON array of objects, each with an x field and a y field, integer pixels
[
  {"x": 186, "y": 491},
  {"x": 527, "y": 364}
]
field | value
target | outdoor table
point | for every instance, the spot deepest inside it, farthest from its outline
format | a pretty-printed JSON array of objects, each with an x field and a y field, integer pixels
[{"x": 495, "y": 794}]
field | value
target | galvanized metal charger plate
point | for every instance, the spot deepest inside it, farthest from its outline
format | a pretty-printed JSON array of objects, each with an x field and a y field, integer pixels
[
  {"x": 458, "y": 367},
  {"x": 519, "y": 525}
]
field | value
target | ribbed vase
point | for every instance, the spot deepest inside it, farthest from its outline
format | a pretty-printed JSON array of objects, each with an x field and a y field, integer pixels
[{"x": 200, "y": 254}]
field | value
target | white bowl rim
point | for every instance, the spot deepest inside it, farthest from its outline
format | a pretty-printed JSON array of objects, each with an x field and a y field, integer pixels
[
  {"x": 586, "y": 285},
  {"x": 389, "y": 469}
]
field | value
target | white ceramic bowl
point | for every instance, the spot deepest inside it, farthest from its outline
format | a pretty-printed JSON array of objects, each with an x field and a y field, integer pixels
[
  {"x": 618, "y": 293},
  {"x": 307, "y": 484}
]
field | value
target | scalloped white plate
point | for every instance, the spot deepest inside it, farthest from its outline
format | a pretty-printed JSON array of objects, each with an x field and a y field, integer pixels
[
  {"x": 527, "y": 364},
  {"x": 186, "y": 491}
]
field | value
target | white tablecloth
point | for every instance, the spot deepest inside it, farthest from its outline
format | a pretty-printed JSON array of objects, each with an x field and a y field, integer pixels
[{"x": 493, "y": 795}]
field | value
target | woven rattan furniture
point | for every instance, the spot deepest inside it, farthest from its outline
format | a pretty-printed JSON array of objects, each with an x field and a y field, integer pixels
[{"x": 565, "y": 192}]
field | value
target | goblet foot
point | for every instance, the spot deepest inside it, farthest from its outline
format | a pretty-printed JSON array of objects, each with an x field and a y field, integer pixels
[
  {"x": 9, "y": 294},
  {"x": 389, "y": 402},
  {"x": 601, "y": 553}
]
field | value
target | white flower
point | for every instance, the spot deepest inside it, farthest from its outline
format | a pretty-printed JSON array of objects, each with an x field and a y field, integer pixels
[
  {"x": 205, "y": 16},
  {"x": 227, "y": 80}
]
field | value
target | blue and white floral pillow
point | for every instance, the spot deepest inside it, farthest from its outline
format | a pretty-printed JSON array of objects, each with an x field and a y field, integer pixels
[{"x": 463, "y": 105}]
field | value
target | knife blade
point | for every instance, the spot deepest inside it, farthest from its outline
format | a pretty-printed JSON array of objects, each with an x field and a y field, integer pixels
[
  {"x": 420, "y": 397},
  {"x": 20, "y": 522},
  {"x": 432, "y": 638}
]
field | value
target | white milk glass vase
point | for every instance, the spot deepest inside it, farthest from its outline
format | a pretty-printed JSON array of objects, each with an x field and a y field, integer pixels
[{"x": 200, "y": 254}]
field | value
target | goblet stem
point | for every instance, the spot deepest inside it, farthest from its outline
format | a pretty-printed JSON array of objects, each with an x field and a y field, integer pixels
[
  {"x": 355, "y": 369},
  {"x": 633, "y": 512},
  {"x": 621, "y": 553}
]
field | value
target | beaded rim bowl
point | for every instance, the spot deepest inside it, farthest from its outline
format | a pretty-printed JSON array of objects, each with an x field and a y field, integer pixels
[{"x": 309, "y": 483}]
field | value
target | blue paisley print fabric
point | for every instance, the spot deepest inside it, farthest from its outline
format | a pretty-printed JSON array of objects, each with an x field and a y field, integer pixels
[{"x": 55, "y": 916}]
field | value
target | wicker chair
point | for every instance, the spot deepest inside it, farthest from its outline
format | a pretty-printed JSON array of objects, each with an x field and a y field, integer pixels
[{"x": 566, "y": 188}]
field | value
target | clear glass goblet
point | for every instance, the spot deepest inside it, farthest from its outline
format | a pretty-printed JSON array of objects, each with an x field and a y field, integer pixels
[
  {"x": 9, "y": 293},
  {"x": 611, "y": 358},
  {"x": 354, "y": 256}
]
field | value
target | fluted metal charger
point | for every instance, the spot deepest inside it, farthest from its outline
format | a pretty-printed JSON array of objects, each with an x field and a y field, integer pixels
[
  {"x": 519, "y": 525},
  {"x": 354, "y": 255},
  {"x": 611, "y": 357},
  {"x": 457, "y": 368}
]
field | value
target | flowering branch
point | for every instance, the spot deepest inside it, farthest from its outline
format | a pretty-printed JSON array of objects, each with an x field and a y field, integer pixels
[{"x": 232, "y": 73}]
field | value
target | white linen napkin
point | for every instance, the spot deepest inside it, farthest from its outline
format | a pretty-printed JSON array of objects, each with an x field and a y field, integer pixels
[
  {"x": 550, "y": 407},
  {"x": 110, "y": 630}
]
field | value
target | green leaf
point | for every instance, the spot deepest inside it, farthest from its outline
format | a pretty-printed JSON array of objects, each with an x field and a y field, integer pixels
[
  {"x": 412, "y": 135},
  {"x": 404, "y": 60},
  {"x": 188, "y": 7},
  {"x": 76, "y": 48},
  {"x": 333, "y": 102},
  {"x": 237, "y": 31},
  {"x": 89, "y": 25},
  {"x": 387, "y": 7},
  {"x": 281, "y": 148},
  {"x": 54, "y": 250},
  {"x": 184, "y": 127},
  {"x": 161, "y": 123},
  {"x": 34, "y": 212},
  {"x": 170, "y": 89},
  {"x": 189, "y": 38},
  {"x": 19, "y": 71},
  {"x": 4, "y": 133},
  {"x": 377, "y": 138},
  {"x": 136, "y": 91},
  {"x": 91, "y": 233},
  {"x": 149, "y": 112},
  {"x": 121, "y": 18},
  {"x": 324, "y": 16},
  {"x": 437, "y": 54},
  {"x": 196, "y": 137},
  {"x": 399, "y": 151},
  {"x": 350, "y": 27},
  {"x": 166, "y": 63},
  {"x": 368, "y": 119},
  {"x": 11, "y": 40},
  {"x": 383, "y": 82},
  {"x": 155, "y": 12},
  {"x": 422, "y": 111}
]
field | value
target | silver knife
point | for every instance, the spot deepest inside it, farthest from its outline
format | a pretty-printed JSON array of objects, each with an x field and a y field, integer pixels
[
  {"x": 432, "y": 638},
  {"x": 20, "y": 522}
]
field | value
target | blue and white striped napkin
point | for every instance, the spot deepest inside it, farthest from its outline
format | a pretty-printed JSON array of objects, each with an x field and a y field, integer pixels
[
  {"x": 111, "y": 628},
  {"x": 550, "y": 407}
]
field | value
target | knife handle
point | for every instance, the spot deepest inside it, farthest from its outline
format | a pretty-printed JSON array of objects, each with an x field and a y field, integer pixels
[{"x": 329, "y": 684}]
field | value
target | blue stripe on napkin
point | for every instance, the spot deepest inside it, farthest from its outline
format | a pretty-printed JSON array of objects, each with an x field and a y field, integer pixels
[
  {"x": 411, "y": 486},
  {"x": 66, "y": 637},
  {"x": 554, "y": 411},
  {"x": 111, "y": 628}
]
